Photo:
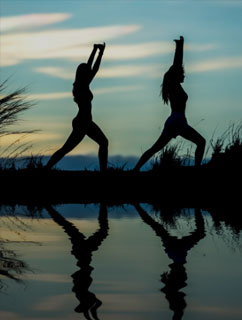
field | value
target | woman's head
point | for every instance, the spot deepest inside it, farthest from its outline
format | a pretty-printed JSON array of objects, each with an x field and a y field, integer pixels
[
  {"x": 82, "y": 73},
  {"x": 175, "y": 74}
]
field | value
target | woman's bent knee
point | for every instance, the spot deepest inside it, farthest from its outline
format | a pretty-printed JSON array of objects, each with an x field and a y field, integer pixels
[
  {"x": 104, "y": 143},
  {"x": 202, "y": 142}
]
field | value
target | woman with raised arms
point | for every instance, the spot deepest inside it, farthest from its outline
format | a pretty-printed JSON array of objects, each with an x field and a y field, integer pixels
[
  {"x": 83, "y": 124},
  {"x": 173, "y": 93}
]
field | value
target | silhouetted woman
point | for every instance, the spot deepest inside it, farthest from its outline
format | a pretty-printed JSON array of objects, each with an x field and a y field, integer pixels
[
  {"x": 83, "y": 124},
  {"x": 177, "y": 250},
  {"x": 173, "y": 93},
  {"x": 82, "y": 249}
]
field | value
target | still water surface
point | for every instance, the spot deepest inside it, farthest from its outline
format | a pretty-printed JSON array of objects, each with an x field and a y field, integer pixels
[{"x": 129, "y": 262}]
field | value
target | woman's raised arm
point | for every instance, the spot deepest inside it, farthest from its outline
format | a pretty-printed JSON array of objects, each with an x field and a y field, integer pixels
[
  {"x": 178, "y": 57},
  {"x": 92, "y": 55},
  {"x": 97, "y": 63}
]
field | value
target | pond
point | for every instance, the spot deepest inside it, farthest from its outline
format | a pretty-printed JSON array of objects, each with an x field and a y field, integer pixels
[{"x": 141, "y": 261}]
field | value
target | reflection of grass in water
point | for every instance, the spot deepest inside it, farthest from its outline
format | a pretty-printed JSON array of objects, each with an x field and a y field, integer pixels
[
  {"x": 11, "y": 266},
  {"x": 232, "y": 239},
  {"x": 227, "y": 223},
  {"x": 179, "y": 221}
]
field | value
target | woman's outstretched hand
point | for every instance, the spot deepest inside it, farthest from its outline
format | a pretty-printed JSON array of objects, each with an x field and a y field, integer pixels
[
  {"x": 101, "y": 47},
  {"x": 181, "y": 40}
]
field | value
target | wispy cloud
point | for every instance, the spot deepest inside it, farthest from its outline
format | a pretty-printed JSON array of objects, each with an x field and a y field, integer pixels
[
  {"x": 215, "y": 64},
  {"x": 72, "y": 44},
  {"x": 137, "y": 51},
  {"x": 50, "y": 96},
  {"x": 149, "y": 70},
  {"x": 120, "y": 71},
  {"x": 58, "y": 72},
  {"x": 53, "y": 44},
  {"x": 21, "y": 140},
  {"x": 65, "y": 95},
  {"x": 118, "y": 89},
  {"x": 123, "y": 71},
  {"x": 31, "y": 20}
]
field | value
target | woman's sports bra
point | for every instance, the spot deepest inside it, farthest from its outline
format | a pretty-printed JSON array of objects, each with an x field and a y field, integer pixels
[
  {"x": 82, "y": 94},
  {"x": 178, "y": 98}
]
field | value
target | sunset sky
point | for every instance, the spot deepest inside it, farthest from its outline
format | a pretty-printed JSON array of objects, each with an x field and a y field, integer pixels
[{"x": 42, "y": 43}]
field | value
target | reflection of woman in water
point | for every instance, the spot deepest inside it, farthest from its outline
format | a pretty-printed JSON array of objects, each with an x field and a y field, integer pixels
[
  {"x": 82, "y": 124},
  {"x": 82, "y": 250},
  {"x": 177, "y": 250},
  {"x": 176, "y": 124}
]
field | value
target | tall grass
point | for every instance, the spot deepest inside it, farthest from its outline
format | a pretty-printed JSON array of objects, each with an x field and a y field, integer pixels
[
  {"x": 173, "y": 156},
  {"x": 227, "y": 149},
  {"x": 11, "y": 106}
]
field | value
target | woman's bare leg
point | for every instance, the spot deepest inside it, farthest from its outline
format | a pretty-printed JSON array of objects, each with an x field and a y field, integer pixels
[
  {"x": 96, "y": 134},
  {"x": 158, "y": 145},
  {"x": 192, "y": 135},
  {"x": 74, "y": 139}
]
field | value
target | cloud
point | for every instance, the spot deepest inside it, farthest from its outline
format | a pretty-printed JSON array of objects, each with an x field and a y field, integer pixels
[
  {"x": 130, "y": 71},
  {"x": 120, "y": 71},
  {"x": 76, "y": 44},
  {"x": 31, "y": 20},
  {"x": 215, "y": 64},
  {"x": 137, "y": 51},
  {"x": 17, "y": 139},
  {"x": 58, "y": 72},
  {"x": 148, "y": 49},
  {"x": 118, "y": 89},
  {"x": 200, "y": 47},
  {"x": 53, "y": 44},
  {"x": 50, "y": 96},
  {"x": 65, "y": 95}
]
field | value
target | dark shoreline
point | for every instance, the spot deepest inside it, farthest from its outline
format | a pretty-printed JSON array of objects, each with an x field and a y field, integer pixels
[{"x": 183, "y": 186}]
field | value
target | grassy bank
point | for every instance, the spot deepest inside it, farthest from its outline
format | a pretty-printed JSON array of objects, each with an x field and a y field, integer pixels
[
  {"x": 170, "y": 180},
  {"x": 184, "y": 186}
]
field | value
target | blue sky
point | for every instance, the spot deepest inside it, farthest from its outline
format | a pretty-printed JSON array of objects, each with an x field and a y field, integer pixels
[{"x": 42, "y": 43}]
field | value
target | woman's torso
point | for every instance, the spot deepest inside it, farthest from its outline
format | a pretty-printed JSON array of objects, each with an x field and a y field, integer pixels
[
  {"x": 83, "y": 96},
  {"x": 178, "y": 98}
]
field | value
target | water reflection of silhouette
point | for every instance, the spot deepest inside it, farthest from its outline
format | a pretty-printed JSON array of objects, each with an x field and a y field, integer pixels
[
  {"x": 177, "y": 250},
  {"x": 82, "y": 250}
]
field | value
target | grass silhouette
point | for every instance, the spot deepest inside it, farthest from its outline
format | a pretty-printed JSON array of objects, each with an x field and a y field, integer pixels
[
  {"x": 11, "y": 106},
  {"x": 231, "y": 153}
]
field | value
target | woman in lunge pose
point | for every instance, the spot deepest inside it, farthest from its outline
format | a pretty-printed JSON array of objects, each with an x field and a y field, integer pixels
[
  {"x": 173, "y": 93},
  {"x": 83, "y": 124}
]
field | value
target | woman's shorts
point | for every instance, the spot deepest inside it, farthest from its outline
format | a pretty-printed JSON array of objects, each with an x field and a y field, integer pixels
[
  {"x": 81, "y": 123},
  {"x": 175, "y": 124}
]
